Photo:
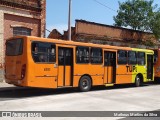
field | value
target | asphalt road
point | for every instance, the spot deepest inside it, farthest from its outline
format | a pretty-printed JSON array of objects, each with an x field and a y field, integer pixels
[{"x": 118, "y": 98}]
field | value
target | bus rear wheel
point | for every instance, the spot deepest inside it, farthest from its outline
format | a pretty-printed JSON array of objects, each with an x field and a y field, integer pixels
[
  {"x": 137, "y": 81},
  {"x": 85, "y": 84}
]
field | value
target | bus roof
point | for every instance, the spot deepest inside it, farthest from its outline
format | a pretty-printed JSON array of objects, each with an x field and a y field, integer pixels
[{"x": 73, "y": 43}]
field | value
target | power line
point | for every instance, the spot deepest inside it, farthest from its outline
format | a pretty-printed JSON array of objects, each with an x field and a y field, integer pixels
[
  {"x": 104, "y": 5},
  {"x": 48, "y": 30}
]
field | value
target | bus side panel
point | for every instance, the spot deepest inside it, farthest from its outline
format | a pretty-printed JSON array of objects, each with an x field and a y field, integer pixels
[
  {"x": 97, "y": 73},
  {"x": 40, "y": 74},
  {"x": 139, "y": 69},
  {"x": 136, "y": 70},
  {"x": 110, "y": 76},
  {"x": 94, "y": 71},
  {"x": 68, "y": 76},
  {"x": 60, "y": 76},
  {"x": 123, "y": 74},
  {"x": 76, "y": 79}
]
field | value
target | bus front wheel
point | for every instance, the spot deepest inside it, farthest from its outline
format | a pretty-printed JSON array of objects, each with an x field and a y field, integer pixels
[
  {"x": 137, "y": 81},
  {"x": 85, "y": 84}
]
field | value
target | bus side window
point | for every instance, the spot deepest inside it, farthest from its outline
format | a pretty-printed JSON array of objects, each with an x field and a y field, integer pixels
[
  {"x": 35, "y": 52},
  {"x": 132, "y": 58},
  {"x": 122, "y": 57},
  {"x": 141, "y": 58},
  {"x": 43, "y": 52},
  {"x": 96, "y": 56},
  {"x": 52, "y": 53},
  {"x": 82, "y": 54},
  {"x": 60, "y": 57}
]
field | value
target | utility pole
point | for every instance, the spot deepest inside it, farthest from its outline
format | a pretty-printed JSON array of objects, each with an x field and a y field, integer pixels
[{"x": 69, "y": 21}]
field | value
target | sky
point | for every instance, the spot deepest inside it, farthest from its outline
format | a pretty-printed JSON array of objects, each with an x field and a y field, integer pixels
[{"x": 89, "y": 10}]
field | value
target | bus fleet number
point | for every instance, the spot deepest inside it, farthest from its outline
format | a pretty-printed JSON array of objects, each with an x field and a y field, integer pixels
[{"x": 47, "y": 69}]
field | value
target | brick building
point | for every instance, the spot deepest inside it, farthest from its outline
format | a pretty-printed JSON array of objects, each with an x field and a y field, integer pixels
[
  {"x": 21, "y": 17},
  {"x": 55, "y": 34},
  {"x": 86, "y": 31}
]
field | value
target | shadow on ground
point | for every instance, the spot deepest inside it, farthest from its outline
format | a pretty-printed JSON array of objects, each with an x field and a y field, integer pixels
[{"x": 9, "y": 93}]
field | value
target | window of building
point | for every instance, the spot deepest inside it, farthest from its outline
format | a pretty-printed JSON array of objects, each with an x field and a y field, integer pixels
[
  {"x": 82, "y": 54},
  {"x": 96, "y": 55},
  {"x": 141, "y": 58},
  {"x": 132, "y": 58},
  {"x": 122, "y": 57},
  {"x": 21, "y": 31},
  {"x": 43, "y": 52}
]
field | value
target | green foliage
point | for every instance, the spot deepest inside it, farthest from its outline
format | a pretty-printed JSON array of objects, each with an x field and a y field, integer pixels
[
  {"x": 139, "y": 15},
  {"x": 155, "y": 24}
]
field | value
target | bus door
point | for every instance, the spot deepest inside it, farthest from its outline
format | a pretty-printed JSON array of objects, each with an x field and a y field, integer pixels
[
  {"x": 65, "y": 66},
  {"x": 109, "y": 67},
  {"x": 149, "y": 66}
]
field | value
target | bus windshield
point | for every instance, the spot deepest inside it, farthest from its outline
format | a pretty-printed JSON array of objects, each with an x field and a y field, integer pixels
[{"x": 14, "y": 47}]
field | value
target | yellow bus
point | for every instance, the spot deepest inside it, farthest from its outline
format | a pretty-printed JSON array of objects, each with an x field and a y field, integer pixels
[{"x": 50, "y": 63}]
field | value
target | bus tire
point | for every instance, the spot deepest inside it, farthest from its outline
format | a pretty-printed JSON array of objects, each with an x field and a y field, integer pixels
[
  {"x": 85, "y": 84},
  {"x": 137, "y": 81}
]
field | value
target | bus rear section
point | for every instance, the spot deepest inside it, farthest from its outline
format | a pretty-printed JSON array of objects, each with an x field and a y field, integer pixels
[{"x": 15, "y": 66}]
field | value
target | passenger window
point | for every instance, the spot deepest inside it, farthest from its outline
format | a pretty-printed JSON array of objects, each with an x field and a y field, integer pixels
[
  {"x": 43, "y": 52},
  {"x": 109, "y": 59},
  {"x": 132, "y": 58},
  {"x": 122, "y": 57},
  {"x": 61, "y": 57},
  {"x": 82, "y": 54},
  {"x": 141, "y": 58},
  {"x": 96, "y": 56}
]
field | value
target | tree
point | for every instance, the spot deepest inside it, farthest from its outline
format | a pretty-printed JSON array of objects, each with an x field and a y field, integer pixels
[
  {"x": 138, "y": 15},
  {"x": 155, "y": 24}
]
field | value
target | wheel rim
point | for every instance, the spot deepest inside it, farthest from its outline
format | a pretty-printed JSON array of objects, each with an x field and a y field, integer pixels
[
  {"x": 85, "y": 84},
  {"x": 138, "y": 81}
]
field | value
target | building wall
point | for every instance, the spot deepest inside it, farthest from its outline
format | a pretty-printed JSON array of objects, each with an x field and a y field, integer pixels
[
  {"x": 1, "y": 38},
  {"x": 86, "y": 30},
  {"x": 55, "y": 34},
  {"x": 23, "y": 13},
  {"x": 43, "y": 18},
  {"x": 11, "y": 21}
]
